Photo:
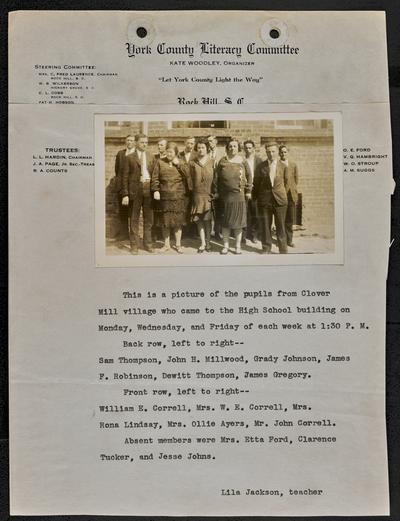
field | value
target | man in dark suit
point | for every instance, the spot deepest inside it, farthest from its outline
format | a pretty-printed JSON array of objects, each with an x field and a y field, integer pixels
[
  {"x": 123, "y": 210},
  {"x": 136, "y": 193},
  {"x": 253, "y": 161},
  {"x": 270, "y": 195},
  {"x": 188, "y": 154},
  {"x": 291, "y": 191},
  {"x": 156, "y": 231}
]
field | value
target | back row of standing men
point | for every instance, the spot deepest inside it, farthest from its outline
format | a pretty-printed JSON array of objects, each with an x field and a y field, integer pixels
[{"x": 202, "y": 185}]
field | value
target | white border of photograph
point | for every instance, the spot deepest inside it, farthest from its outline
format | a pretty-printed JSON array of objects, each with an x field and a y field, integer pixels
[{"x": 164, "y": 260}]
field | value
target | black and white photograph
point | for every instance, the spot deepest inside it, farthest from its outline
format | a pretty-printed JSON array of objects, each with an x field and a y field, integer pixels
[{"x": 260, "y": 190}]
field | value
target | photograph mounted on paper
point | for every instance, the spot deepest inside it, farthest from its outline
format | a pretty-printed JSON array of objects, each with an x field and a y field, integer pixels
[{"x": 219, "y": 189}]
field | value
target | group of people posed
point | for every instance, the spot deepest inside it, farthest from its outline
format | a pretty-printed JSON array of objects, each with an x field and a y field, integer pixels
[{"x": 233, "y": 194}]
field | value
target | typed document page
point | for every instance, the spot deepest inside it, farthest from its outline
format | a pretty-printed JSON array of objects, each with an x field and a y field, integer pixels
[{"x": 199, "y": 234}]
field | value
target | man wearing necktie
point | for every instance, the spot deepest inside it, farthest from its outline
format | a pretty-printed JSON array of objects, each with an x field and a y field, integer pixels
[
  {"x": 137, "y": 194},
  {"x": 119, "y": 167},
  {"x": 251, "y": 232},
  {"x": 270, "y": 195},
  {"x": 291, "y": 190}
]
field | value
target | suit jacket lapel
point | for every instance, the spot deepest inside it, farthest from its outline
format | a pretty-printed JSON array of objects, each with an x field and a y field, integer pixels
[
  {"x": 268, "y": 177},
  {"x": 136, "y": 157},
  {"x": 278, "y": 171}
]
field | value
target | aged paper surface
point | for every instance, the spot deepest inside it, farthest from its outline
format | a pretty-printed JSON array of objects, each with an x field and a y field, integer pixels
[{"x": 178, "y": 352}]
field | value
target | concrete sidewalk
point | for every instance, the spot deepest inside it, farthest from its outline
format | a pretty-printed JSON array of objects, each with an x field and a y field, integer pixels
[{"x": 304, "y": 243}]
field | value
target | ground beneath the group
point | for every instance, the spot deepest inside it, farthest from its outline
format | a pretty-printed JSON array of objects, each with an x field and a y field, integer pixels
[{"x": 304, "y": 243}]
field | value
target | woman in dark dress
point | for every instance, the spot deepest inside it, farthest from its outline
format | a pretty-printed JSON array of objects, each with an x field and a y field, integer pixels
[
  {"x": 233, "y": 188},
  {"x": 171, "y": 185},
  {"x": 201, "y": 171}
]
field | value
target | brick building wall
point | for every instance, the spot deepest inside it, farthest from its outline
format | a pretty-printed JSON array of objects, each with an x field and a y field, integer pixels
[{"x": 310, "y": 144}]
